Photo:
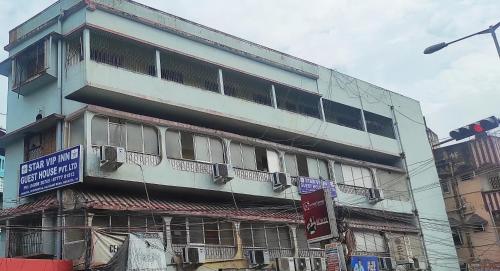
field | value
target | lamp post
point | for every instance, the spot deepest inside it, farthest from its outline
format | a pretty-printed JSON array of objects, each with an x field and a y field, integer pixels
[{"x": 490, "y": 30}]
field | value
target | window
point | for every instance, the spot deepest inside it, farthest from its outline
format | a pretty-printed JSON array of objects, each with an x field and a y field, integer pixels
[
  {"x": 40, "y": 144},
  {"x": 370, "y": 242},
  {"x": 247, "y": 88},
  {"x": 201, "y": 231},
  {"x": 76, "y": 133},
  {"x": 30, "y": 63},
  {"x": 134, "y": 137},
  {"x": 457, "y": 237},
  {"x": 265, "y": 235},
  {"x": 297, "y": 101},
  {"x": 317, "y": 168},
  {"x": 300, "y": 165},
  {"x": 355, "y": 176},
  {"x": 445, "y": 186},
  {"x": 254, "y": 158},
  {"x": 184, "y": 145},
  {"x": 379, "y": 125},
  {"x": 342, "y": 114}
]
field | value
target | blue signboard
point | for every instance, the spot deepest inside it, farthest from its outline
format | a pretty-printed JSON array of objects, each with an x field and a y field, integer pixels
[
  {"x": 52, "y": 171},
  {"x": 364, "y": 263},
  {"x": 309, "y": 185}
]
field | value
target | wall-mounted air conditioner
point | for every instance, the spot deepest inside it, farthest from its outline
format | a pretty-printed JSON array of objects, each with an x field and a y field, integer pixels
[
  {"x": 112, "y": 157},
  {"x": 318, "y": 264},
  {"x": 281, "y": 181},
  {"x": 259, "y": 257},
  {"x": 223, "y": 173},
  {"x": 375, "y": 195},
  {"x": 302, "y": 264},
  {"x": 193, "y": 255},
  {"x": 285, "y": 264}
]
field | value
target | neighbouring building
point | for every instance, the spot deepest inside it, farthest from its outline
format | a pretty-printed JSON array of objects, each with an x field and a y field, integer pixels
[
  {"x": 470, "y": 179},
  {"x": 2, "y": 166},
  {"x": 199, "y": 142}
]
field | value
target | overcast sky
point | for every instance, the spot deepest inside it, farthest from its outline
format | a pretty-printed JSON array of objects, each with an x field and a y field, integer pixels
[{"x": 377, "y": 41}]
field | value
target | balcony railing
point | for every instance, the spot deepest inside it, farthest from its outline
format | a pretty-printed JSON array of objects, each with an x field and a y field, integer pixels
[
  {"x": 253, "y": 175},
  {"x": 213, "y": 252},
  {"x": 192, "y": 166},
  {"x": 135, "y": 158},
  {"x": 350, "y": 189},
  {"x": 25, "y": 243},
  {"x": 316, "y": 253}
]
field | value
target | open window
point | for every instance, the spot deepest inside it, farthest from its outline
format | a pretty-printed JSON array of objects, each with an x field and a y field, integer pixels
[
  {"x": 301, "y": 165},
  {"x": 254, "y": 158},
  {"x": 342, "y": 114},
  {"x": 379, "y": 125},
  {"x": 185, "y": 145}
]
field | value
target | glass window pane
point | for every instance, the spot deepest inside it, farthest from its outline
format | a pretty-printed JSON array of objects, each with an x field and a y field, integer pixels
[
  {"x": 302, "y": 166},
  {"x": 99, "y": 131},
  {"x": 367, "y": 177},
  {"x": 134, "y": 137},
  {"x": 195, "y": 230},
  {"x": 248, "y": 157},
  {"x": 273, "y": 161},
  {"x": 116, "y": 134},
  {"x": 323, "y": 169},
  {"x": 259, "y": 237},
  {"x": 201, "y": 151},
  {"x": 291, "y": 164},
  {"x": 187, "y": 145},
  {"x": 357, "y": 176},
  {"x": 211, "y": 231},
  {"x": 236, "y": 159},
  {"x": 76, "y": 132},
  {"x": 360, "y": 241},
  {"x": 151, "y": 143},
  {"x": 312, "y": 167},
  {"x": 272, "y": 237},
  {"x": 347, "y": 173},
  {"x": 370, "y": 242},
  {"x": 178, "y": 230},
  {"x": 284, "y": 234},
  {"x": 226, "y": 233},
  {"x": 246, "y": 234},
  {"x": 261, "y": 159},
  {"x": 173, "y": 144},
  {"x": 337, "y": 168},
  {"x": 216, "y": 151}
]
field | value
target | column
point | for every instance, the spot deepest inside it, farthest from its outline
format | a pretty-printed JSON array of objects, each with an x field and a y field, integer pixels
[
  {"x": 86, "y": 44},
  {"x": 321, "y": 109},
  {"x": 158, "y": 63},
  {"x": 221, "y": 82},
  {"x": 273, "y": 97},
  {"x": 293, "y": 235},
  {"x": 49, "y": 236},
  {"x": 239, "y": 242}
]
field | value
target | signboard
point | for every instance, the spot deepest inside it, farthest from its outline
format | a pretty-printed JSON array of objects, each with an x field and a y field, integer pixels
[
  {"x": 332, "y": 257},
  {"x": 364, "y": 263},
  {"x": 319, "y": 216},
  {"x": 52, "y": 171},
  {"x": 400, "y": 249},
  {"x": 308, "y": 185}
]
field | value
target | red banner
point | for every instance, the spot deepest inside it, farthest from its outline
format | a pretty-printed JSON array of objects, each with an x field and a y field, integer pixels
[{"x": 316, "y": 216}]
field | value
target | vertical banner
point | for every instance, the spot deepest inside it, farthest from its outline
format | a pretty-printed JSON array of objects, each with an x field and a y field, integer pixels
[
  {"x": 319, "y": 216},
  {"x": 364, "y": 263},
  {"x": 332, "y": 257}
]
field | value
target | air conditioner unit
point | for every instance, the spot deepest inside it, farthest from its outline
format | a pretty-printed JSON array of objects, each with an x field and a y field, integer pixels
[
  {"x": 192, "y": 255},
  {"x": 318, "y": 264},
  {"x": 375, "y": 195},
  {"x": 302, "y": 264},
  {"x": 281, "y": 181},
  {"x": 385, "y": 263},
  {"x": 223, "y": 173},
  {"x": 285, "y": 264},
  {"x": 259, "y": 257},
  {"x": 112, "y": 157}
]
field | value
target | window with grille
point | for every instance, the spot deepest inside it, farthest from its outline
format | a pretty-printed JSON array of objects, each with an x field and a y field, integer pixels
[
  {"x": 247, "y": 88},
  {"x": 112, "y": 50},
  {"x": 379, "y": 125},
  {"x": 257, "y": 235},
  {"x": 297, "y": 101},
  {"x": 30, "y": 63},
  {"x": 185, "y": 145},
  {"x": 197, "y": 230},
  {"x": 40, "y": 144},
  {"x": 135, "y": 137},
  {"x": 342, "y": 114},
  {"x": 188, "y": 71}
]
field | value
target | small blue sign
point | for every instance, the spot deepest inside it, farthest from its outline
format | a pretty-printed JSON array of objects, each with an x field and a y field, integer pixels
[
  {"x": 364, "y": 263},
  {"x": 52, "y": 171},
  {"x": 309, "y": 185}
]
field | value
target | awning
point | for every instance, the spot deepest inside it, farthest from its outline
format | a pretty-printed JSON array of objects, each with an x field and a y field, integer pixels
[
  {"x": 476, "y": 220},
  {"x": 35, "y": 127},
  {"x": 99, "y": 200},
  {"x": 492, "y": 201},
  {"x": 390, "y": 226},
  {"x": 40, "y": 204}
]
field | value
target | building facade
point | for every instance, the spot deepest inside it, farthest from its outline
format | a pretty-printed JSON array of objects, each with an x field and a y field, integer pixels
[
  {"x": 203, "y": 141},
  {"x": 469, "y": 173}
]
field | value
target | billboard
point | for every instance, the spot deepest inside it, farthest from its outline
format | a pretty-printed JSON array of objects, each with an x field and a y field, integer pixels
[
  {"x": 364, "y": 263},
  {"x": 52, "y": 171},
  {"x": 332, "y": 257},
  {"x": 319, "y": 216},
  {"x": 308, "y": 185}
]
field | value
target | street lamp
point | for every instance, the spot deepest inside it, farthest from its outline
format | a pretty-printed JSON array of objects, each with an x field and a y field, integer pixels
[{"x": 491, "y": 30}]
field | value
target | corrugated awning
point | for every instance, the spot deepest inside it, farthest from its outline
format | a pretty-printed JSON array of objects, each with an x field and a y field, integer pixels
[
  {"x": 119, "y": 202},
  {"x": 40, "y": 204},
  {"x": 35, "y": 127},
  {"x": 492, "y": 201}
]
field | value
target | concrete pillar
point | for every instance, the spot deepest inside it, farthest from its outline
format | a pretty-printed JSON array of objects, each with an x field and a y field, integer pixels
[
  {"x": 168, "y": 233},
  {"x": 49, "y": 237},
  {"x": 238, "y": 240},
  {"x": 273, "y": 97},
  {"x": 321, "y": 109},
  {"x": 7, "y": 238},
  {"x": 227, "y": 150},
  {"x": 158, "y": 63},
  {"x": 221, "y": 82},
  {"x": 86, "y": 44},
  {"x": 295, "y": 243}
]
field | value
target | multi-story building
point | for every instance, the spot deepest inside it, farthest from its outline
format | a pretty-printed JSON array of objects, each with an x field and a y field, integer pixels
[
  {"x": 2, "y": 166},
  {"x": 470, "y": 181},
  {"x": 192, "y": 134}
]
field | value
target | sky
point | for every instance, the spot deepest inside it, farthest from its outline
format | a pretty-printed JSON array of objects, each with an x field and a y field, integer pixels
[{"x": 377, "y": 41}]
